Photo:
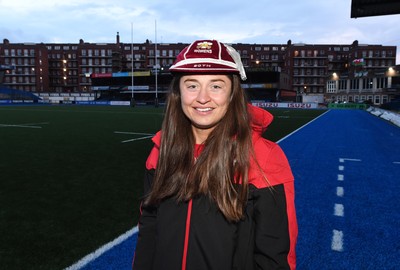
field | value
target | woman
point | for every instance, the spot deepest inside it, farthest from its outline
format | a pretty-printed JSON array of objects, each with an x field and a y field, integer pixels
[{"x": 218, "y": 195}]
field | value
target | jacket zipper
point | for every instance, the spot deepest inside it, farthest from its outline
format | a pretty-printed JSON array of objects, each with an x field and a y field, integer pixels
[{"x": 186, "y": 244}]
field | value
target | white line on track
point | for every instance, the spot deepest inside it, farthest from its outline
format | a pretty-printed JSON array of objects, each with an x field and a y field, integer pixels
[
  {"x": 348, "y": 159},
  {"x": 340, "y": 191},
  {"x": 396, "y": 162},
  {"x": 100, "y": 251},
  {"x": 341, "y": 168},
  {"x": 340, "y": 177},
  {"x": 337, "y": 240},
  {"x": 338, "y": 210}
]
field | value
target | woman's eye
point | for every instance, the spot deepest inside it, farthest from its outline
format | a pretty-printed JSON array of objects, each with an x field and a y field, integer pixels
[
  {"x": 191, "y": 86},
  {"x": 216, "y": 87}
]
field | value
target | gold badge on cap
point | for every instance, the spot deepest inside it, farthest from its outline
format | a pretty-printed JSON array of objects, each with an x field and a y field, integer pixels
[{"x": 204, "y": 47}]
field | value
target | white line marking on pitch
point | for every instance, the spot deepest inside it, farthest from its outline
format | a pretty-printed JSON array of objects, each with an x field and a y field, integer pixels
[
  {"x": 339, "y": 191},
  {"x": 340, "y": 177},
  {"x": 132, "y": 133},
  {"x": 337, "y": 240},
  {"x": 338, "y": 210},
  {"x": 146, "y": 136},
  {"x": 396, "y": 162},
  {"x": 27, "y": 125},
  {"x": 100, "y": 251},
  {"x": 290, "y": 134},
  {"x": 341, "y": 168},
  {"x": 137, "y": 139}
]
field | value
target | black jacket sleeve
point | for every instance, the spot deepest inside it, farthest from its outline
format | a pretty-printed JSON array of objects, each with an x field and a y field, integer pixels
[
  {"x": 145, "y": 247},
  {"x": 271, "y": 230}
]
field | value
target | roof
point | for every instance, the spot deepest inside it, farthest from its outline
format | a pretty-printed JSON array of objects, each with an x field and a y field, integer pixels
[
  {"x": 367, "y": 8},
  {"x": 18, "y": 94}
]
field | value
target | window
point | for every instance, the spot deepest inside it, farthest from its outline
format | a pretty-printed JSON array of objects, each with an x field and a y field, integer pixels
[
  {"x": 354, "y": 84},
  {"x": 367, "y": 83},
  {"x": 331, "y": 87},
  {"x": 364, "y": 54},
  {"x": 342, "y": 84},
  {"x": 381, "y": 82}
]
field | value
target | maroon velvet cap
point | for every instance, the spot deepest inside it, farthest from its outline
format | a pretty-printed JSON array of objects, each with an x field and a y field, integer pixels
[{"x": 208, "y": 56}]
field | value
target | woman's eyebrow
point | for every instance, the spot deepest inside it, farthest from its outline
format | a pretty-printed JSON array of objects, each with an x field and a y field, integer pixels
[{"x": 190, "y": 80}]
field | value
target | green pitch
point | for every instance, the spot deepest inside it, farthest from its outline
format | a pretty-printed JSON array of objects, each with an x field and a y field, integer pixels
[{"x": 71, "y": 177}]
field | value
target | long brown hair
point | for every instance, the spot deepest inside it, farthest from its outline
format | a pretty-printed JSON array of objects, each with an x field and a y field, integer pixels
[{"x": 220, "y": 171}]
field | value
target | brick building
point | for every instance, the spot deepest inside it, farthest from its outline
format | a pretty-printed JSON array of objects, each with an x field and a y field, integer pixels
[{"x": 67, "y": 68}]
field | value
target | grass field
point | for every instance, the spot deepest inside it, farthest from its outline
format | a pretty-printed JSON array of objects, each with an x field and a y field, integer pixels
[{"x": 71, "y": 177}]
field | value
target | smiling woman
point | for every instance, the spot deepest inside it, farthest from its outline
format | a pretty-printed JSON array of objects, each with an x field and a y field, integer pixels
[
  {"x": 205, "y": 100},
  {"x": 212, "y": 182}
]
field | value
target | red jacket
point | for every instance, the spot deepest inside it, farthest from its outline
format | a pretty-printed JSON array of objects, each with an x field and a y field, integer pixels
[{"x": 195, "y": 235}]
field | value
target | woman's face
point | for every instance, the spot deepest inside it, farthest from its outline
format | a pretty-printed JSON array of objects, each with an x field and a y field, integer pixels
[{"x": 205, "y": 100}]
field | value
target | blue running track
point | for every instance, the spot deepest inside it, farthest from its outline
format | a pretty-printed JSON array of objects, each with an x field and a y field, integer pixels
[{"x": 347, "y": 169}]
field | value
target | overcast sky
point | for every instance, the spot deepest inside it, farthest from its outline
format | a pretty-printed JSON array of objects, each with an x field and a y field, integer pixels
[{"x": 234, "y": 21}]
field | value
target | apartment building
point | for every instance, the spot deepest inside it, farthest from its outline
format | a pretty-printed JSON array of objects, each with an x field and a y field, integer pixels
[{"x": 66, "y": 68}]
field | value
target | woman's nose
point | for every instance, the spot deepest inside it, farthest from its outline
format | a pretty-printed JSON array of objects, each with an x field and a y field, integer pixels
[{"x": 203, "y": 96}]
